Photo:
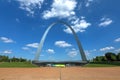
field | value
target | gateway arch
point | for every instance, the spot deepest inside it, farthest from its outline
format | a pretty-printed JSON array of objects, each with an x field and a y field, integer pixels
[{"x": 81, "y": 51}]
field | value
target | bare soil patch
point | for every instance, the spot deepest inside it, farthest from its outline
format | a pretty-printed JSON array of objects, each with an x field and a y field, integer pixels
[{"x": 69, "y": 73}]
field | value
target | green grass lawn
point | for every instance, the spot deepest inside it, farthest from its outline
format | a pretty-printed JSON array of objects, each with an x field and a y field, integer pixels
[
  {"x": 16, "y": 64},
  {"x": 103, "y": 64},
  {"x": 99, "y": 65},
  {"x": 29, "y": 65}
]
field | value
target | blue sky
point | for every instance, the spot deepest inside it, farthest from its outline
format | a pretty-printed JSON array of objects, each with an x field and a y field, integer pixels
[{"x": 23, "y": 22}]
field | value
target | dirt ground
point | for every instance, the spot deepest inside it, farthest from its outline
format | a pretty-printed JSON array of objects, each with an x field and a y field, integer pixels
[{"x": 69, "y": 73}]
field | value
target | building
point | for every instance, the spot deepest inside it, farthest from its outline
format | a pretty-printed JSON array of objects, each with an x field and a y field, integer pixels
[{"x": 59, "y": 63}]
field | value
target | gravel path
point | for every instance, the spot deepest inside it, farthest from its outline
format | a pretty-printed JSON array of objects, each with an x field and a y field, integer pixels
[{"x": 69, "y": 73}]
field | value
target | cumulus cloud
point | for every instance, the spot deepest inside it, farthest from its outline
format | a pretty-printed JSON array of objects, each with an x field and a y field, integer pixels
[
  {"x": 33, "y": 45},
  {"x": 79, "y": 25},
  {"x": 42, "y": 55},
  {"x": 88, "y": 2},
  {"x": 9, "y": 1},
  {"x": 17, "y": 20},
  {"x": 61, "y": 9},
  {"x": 117, "y": 40},
  {"x": 25, "y": 48},
  {"x": 117, "y": 50},
  {"x": 30, "y": 5},
  {"x": 105, "y": 22},
  {"x": 87, "y": 52},
  {"x": 107, "y": 48},
  {"x": 62, "y": 44},
  {"x": 7, "y": 52},
  {"x": 51, "y": 51},
  {"x": 93, "y": 50},
  {"x": 72, "y": 53},
  {"x": 6, "y": 40}
]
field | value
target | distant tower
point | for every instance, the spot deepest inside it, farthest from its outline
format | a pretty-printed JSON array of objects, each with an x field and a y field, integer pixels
[{"x": 37, "y": 55}]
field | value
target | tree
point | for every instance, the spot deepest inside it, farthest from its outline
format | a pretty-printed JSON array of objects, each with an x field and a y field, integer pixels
[
  {"x": 23, "y": 60},
  {"x": 104, "y": 58},
  {"x": 14, "y": 59},
  {"x": 100, "y": 59},
  {"x": 4, "y": 59},
  {"x": 118, "y": 56},
  {"x": 111, "y": 56}
]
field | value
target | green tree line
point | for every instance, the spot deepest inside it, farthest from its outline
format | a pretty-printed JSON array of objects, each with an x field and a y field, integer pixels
[
  {"x": 109, "y": 56},
  {"x": 13, "y": 59}
]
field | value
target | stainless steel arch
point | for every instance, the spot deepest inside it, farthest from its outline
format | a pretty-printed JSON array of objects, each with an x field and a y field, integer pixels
[{"x": 37, "y": 55}]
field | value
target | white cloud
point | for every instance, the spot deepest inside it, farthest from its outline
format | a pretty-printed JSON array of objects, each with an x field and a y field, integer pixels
[
  {"x": 65, "y": 9},
  {"x": 30, "y": 5},
  {"x": 7, "y": 52},
  {"x": 88, "y": 3},
  {"x": 62, "y": 44},
  {"x": 42, "y": 55},
  {"x": 117, "y": 50},
  {"x": 33, "y": 45},
  {"x": 6, "y": 40},
  {"x": 105, "y": 22},
  {"x": 73, "y": 53},
  {"x": 78, "y": 25},
  {"x": 107, "y": 48},
  {"x": 61, "y": 9},
  {"x": 9, "y": 1},
  {"x": 93, "y": 50},
  {"x": 25, "y": 48},
  {"x": 51, "y": 51},
  {"x": 117, "y": 40},
  {"x": 17, "y": 20},
  {"x": 87, "y": 52}
]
